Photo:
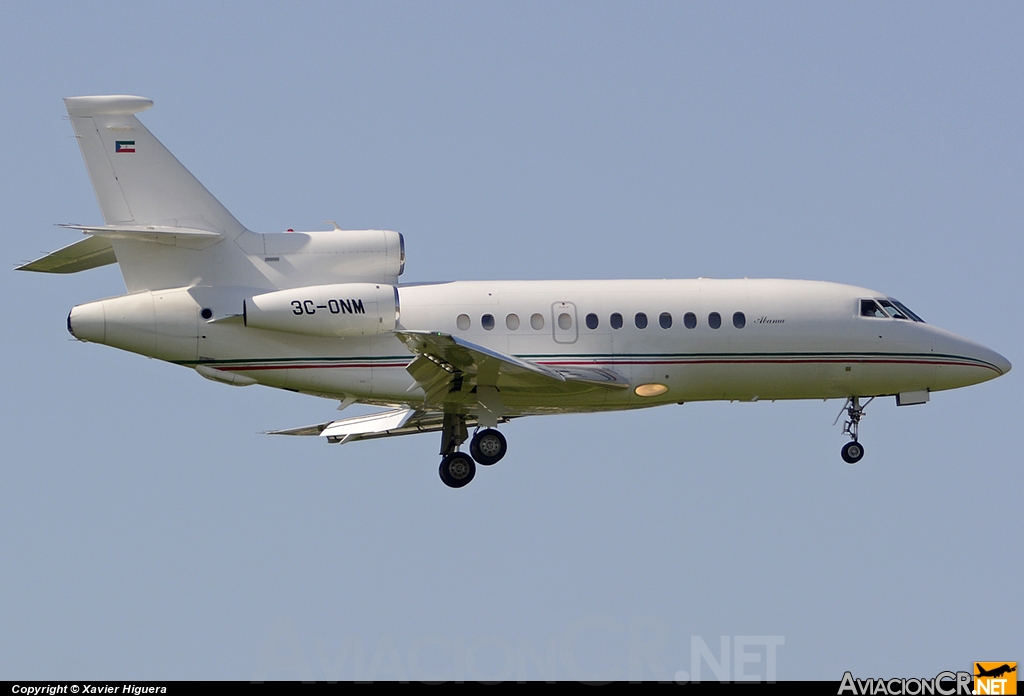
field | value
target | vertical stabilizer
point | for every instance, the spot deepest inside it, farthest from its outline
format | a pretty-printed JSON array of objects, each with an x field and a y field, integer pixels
[{"x": 137, "y": 180}]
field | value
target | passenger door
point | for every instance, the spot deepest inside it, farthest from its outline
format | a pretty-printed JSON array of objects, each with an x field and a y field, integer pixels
[{"x": 563, "y": 322}]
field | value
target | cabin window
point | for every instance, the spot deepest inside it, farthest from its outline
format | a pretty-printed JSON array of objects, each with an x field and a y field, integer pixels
[
  {"x": 665, "y": 320},
  {"x": 487, "y": 321},
  {"x": 592, "y": 321},
  {"x": 715, "y": 320},
  {"x": 537, "y": 322},
  {"x": 462, "y": 322},
  {"x": 512, "y": 322},
  {"x": 640, "y": 320},
  {"x": 616, "y": 321},
  {"x": 690, "y": 320},
  {"x": 564, "y": 321},
  {"x": 739, "y": 320}
]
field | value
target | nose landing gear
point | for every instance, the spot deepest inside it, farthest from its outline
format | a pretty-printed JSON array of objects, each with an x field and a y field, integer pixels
[{"x": 852, "y": 452}]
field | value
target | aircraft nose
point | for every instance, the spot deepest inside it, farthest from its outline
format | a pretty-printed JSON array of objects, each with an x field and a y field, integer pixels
[
  {"x": 965, "y": 362},
  {"x": 1000, "y": 362},
  {"x": 982, "y": 356}
]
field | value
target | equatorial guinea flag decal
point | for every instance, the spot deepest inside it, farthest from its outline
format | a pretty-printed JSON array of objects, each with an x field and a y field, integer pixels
[{"x": 124, "y": 146}]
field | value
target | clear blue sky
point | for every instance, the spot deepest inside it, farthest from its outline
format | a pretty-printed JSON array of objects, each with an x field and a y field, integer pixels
[{"x": 147, "y": 531}]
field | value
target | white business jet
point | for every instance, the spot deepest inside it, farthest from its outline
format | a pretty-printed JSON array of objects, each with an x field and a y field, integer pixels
[{"x": 322, "y": 313}]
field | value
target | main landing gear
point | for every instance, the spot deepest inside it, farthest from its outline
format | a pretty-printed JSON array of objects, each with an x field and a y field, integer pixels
[
  {"x": 487, "y": 447},
  {"x": 853, "y": 451},
  {"x": 457, "y": 469}
]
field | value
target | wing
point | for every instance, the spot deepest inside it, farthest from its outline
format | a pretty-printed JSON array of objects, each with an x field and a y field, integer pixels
[
  {"x": 399, "y": 421},
  {"x": 447, "y": 366},
  {"x": 459, "y": 376}
]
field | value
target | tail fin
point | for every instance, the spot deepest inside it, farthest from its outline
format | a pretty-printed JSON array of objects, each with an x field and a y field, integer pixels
[
  {"x": 165, "y": 230},
  {"x": 137, "y": 180}
]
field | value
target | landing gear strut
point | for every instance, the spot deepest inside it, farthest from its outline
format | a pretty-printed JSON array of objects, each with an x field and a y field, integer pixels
[
  {"x": 453, "y": 432},
  {"x": 487, "y": 447},
  {"x": 853, "y": 451}
]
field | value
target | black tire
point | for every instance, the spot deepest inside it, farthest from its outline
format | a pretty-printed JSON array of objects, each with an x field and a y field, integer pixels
[
  {"x": 488, "y": 447},
  {"x": 853, "y": 452},
  {"x": 457, "y": 469}
]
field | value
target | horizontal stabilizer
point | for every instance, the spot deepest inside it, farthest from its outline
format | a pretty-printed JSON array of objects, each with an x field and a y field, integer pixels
[
  {"x": 91, "y": 252},
  {"x": 178, "y": 236}
]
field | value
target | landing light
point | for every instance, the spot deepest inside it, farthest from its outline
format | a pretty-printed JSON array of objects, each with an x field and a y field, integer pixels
[{"x": 651, "y": 390}]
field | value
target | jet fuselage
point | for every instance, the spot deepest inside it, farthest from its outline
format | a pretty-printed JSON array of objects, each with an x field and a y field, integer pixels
[{"x": 696, "y": 340}]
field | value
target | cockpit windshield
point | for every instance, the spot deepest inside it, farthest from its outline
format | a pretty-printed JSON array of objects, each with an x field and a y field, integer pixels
[
  {"x": 891, "y": 309},
  {"x": 885, "y": 308},
  {"x": 870, "y": 308}
]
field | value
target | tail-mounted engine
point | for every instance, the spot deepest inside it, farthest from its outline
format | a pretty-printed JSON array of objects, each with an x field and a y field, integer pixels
[{"x": 345, "y": 309}]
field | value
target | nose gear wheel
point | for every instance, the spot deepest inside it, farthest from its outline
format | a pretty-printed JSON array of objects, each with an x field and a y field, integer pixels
[{"x": 853, "y": 451}]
